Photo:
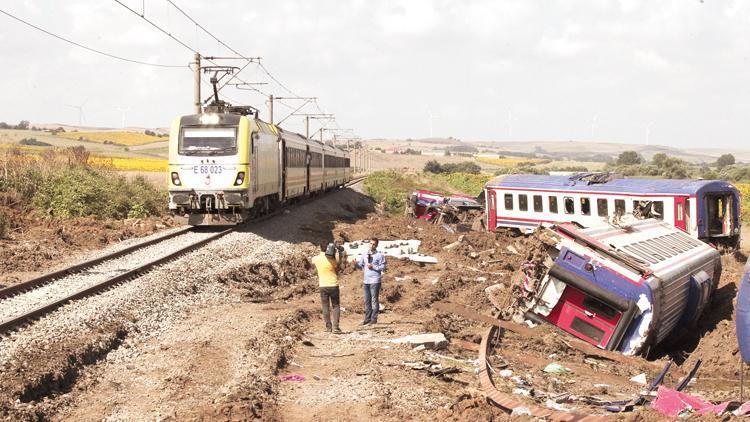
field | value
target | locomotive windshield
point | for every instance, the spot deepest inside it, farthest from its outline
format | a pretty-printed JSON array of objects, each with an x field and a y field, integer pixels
[{"x": 208, "y": 141}]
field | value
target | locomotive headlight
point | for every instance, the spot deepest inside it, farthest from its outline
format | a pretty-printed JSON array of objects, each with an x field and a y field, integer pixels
[
  {"x": 176, "y": 179},
  {"x": 209, "y": 119},
  {"x": 240, "y": 178}
]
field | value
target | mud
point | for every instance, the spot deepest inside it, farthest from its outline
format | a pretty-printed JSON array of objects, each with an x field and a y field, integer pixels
[
  {"x": 33, "y": 244},
  {"x": 360, "y": 374}
]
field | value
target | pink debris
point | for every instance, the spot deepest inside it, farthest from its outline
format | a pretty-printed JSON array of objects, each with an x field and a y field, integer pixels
[
  {"x": 743, "y": 410},
  {"x": 672, "y": 403},
  {"x": 292, "y": 377}
]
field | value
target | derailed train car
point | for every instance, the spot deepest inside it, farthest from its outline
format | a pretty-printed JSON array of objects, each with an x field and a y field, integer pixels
[
  {"x": 624, "y": 288},
  {"x": 226, "y": 167},
  {"x": 708, "y": 210}
]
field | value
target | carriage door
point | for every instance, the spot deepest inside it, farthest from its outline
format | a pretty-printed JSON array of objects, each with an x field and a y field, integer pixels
[
  {"x": 491, "y": 210},
  {"x": 681, "y": 212}
]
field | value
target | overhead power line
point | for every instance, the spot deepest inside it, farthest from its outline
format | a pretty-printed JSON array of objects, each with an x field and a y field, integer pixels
[
  {"x": 93, "y": 50},
  {"x": 167, "y": 33}
]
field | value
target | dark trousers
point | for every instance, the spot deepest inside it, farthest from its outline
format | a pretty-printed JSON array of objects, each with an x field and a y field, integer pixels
[
  {"x": 330, "y": 294},
  {"x": 372, "y": 302}
]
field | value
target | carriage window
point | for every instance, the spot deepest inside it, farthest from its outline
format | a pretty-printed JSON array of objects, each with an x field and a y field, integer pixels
[
  {"x": 553, "y": 204},
  {"x": 585, "y": 206},
  {"x": 523, "y": 203},
  {"x": 619, "y": 206},
  {"x": 569, "y": 205},
  {"x": 680, "y": 212},
  {"x": 509, "y": 201},
  {"x": 586, "y": 329},
  {"x": 658, "y": 209},
  {"x": 602, "y": 207},
  {"x": 538, "y": 203}
]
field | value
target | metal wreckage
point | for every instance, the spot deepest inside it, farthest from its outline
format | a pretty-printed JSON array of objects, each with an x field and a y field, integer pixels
[{"x": 618, "y": 289}]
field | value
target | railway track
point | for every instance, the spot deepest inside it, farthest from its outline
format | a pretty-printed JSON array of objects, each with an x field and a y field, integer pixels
[{"x": 24, "y": 302}]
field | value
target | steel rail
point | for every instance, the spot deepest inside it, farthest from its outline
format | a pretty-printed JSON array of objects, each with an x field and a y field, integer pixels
[
  {"x": 46, "y": 278},
  {"x": 16, "y": 321}
]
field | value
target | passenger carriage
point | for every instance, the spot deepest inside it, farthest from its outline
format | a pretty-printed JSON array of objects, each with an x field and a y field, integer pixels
[
  {"x": 626, "y": 288},
  {"x": 708, "y": 210}
]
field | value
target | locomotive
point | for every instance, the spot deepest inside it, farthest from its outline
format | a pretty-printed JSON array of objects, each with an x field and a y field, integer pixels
[
  {"x": 708, "y": 210},
  {"x": 227, "y": 166}
]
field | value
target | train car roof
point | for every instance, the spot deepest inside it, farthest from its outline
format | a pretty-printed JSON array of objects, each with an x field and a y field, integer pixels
[{"x": 634, "y": 186}]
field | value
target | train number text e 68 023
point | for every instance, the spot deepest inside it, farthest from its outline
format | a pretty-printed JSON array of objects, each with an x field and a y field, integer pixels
[{"x": 207, "y": 169}]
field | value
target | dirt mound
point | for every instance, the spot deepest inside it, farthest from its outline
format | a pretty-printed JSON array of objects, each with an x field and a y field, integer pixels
[
  {"x": 32, "y": 243},
  {"x": 264, "y": 281},
  {"x": 256, "y": 396},
  {"x": 714, "y": 340}
]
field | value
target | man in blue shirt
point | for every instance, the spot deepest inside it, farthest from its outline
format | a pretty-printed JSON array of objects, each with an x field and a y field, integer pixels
[{"x": 373, "y": 265}]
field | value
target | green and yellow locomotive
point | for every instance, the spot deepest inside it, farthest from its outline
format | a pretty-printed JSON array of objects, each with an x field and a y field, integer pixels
[{"x": 227, "y": 166}]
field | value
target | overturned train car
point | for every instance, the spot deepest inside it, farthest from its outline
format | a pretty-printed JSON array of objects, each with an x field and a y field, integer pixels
[{"x": 624, "y": 288}]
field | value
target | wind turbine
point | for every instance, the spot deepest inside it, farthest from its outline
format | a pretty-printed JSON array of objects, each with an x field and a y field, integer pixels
[
  {"x": 81, "y": 116},
  {"x": 432, "y": 119},
  {"x": 648, "y": 133},
  {"x": 123, "y": 111}
]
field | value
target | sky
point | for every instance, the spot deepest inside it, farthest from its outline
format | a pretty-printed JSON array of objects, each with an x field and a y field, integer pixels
[{"x": 672, "y": 72}]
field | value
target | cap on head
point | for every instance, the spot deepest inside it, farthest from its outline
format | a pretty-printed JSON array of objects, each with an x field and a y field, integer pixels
[{"x": 331, "y": 250}]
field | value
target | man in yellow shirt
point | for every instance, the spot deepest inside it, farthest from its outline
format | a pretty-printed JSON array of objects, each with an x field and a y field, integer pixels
[{"x": 328, "y": 281}]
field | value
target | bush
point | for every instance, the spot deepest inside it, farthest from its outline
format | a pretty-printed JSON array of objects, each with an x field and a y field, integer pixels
[
  {"x": 389, "y": 188},
  {"x": 82, "y": 191},
  {"x": 33, "y": 142},
  {"x": 433, "y": 166},
  {"x": 725, "y": 160},
  {"x": 66, "y": 186},
  {"x": 629, "y": 158}
]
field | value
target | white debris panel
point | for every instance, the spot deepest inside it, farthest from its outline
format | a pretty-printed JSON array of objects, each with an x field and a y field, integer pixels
[{"x": 399, "y": 249}]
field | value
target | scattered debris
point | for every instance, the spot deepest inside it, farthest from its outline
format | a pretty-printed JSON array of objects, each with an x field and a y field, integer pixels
[
  {"x": 555, "y": 368},
  {"x": 399, "y": 249},
  {"x": 674, "y": 403},
  {"x": 292, "y": 377},
  {"x": 639, "y": 379},
  {"x": 433, "y": 341}
]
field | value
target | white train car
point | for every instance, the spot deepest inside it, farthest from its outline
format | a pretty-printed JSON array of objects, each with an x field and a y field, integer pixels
[{"x": 708, "y": 210}]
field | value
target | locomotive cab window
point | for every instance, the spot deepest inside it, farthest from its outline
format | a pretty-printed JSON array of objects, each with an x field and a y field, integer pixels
[
  {"x": 538, "y": 203},
  {"x": 509, "y": 201},
  {"x": 523, "y": 203},
  {"x": 208, "y": 141}
]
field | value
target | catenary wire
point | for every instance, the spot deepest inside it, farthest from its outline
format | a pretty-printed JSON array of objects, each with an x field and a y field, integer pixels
[{"x": 93, "y": 50}]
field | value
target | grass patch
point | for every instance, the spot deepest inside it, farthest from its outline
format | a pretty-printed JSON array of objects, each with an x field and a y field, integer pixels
[
  {"x": 118, "y": 138},
  {"x": 510, "y": 161},
  {"x": 67, "y": 186},
  {"x": 744, "y": 189}
]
